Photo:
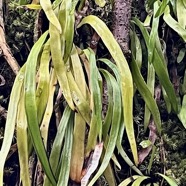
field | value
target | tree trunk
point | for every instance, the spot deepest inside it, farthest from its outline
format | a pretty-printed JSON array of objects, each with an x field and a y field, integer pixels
[{"x": 121, "y": 23}]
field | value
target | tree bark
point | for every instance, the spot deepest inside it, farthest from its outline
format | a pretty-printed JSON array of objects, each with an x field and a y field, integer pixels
[{"x": 121, "y": 23}]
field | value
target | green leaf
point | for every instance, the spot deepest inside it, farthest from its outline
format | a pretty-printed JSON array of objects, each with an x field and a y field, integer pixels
[
  {"x": 112, "y": 67},
  {"x": 153, "y": 154},
  {"x": 49, "y": 108},
  {"x": 116, "y": 115},
  {"x": 126, "y": 84},
  {"x": 138, "y": 181},
  {"x": 182, "y": 115},
  {"x": 129, "y": 180},
  {"x": 127, "y": 159},
  {"x": 161, "y": 50},
  {"x": 162, "y": 7},
  {"x": 146, "y": 94},
  {"x": 153, "y": 34},
  {"x": 11, "y": 119},
  {"x": 96, "y": 122},
  {"x": 174, "y": 24},
  {"x": 181, "y": 11},
  {"x": 145, "y": 143},
  {"x": 82, "y": 104},
  {"x": 150, "y": 3},
  {"x": 56, "y": 3},
  {"x": 169, "y": 180},
  {"x": 59, "y": 65},
  {"x": 183, "y": 86},
  {"x": 22, "y": 141},
  {"x": 33, "y": 6},
  {"x": 136, "y": 48},
  {"x": 67, "y": 20},
  {"x": 78, "y": 147},
  {"x": 31, "y": 108},
  {"x": 22, "y": 2},
  {"x": 181, "y": 55},
  {"x": 47, "y": 7},
  {"x": 160, "y": 69},
  {"x": 58, "y": 142},
  {"x": 42, "y": 91},
  {"x": 150, "y": 84},
  {"x": 66, "y": 155},
  {"x": 109, "y": 175}
]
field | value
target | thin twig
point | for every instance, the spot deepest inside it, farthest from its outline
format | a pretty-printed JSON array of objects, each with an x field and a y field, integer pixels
[{"x": 3, "y": 45}]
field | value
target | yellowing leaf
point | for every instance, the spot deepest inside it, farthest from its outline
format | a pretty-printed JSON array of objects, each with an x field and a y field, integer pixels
[
  {"x": 145, "y": 143},
  {"x": 138, "y": 181},
  {"x": 47, "y": 7},
  {"x": 126, "y": 84},
  {"x": 169, "y": 180},
  {"x": 100, "y": 3},
  {"x": 128, "y": 180},
  {"x": 33, "y": 6}
]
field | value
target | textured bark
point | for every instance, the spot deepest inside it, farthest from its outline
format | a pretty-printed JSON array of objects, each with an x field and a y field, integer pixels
[{"x": 121, "y": 21}]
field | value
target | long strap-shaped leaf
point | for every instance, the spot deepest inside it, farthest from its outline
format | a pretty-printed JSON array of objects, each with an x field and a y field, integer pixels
[
  {"x": 56, "y": 3},
  {"x": 58, "y": 143},
  {"x": 31, "y": 108},
  {"x": 182, "y": 112},
  {"x": 49, "y": 108},
  {"x": 162, "y": 7},
  {"x": 66, "y": 155},
  {"x": 169, "y": 180},
  {"x": 42, "y": 91},
  {"x": 22, "y": 142},
  {"x": 47, "y": 7},
  {"x": 137, "y": 53},
  {"x": 128, "y": 180},
  {"x": 67, "y": 22},
  {"x": 78, "y": 147},
  {"x": 146, "y": 94},
  {"x": 96, "y": 122},
  {"x": 181, "y": 11},
  {"x": 108, "y": 117},
  {"x": 11, "y": 120},
  {"x": 125, "y": 74},
  {"x": 150, "y": 84},
  {"x": 160, "y": 68},
  {"x": 116, "y": 118},
  {"x": 138, "y": 181},
  {"x": 153, "y": 34},
  {"x": 174, "y": 24},
  {"x": 81, "y": 103},
  {"x": 59, "y": 65}
]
